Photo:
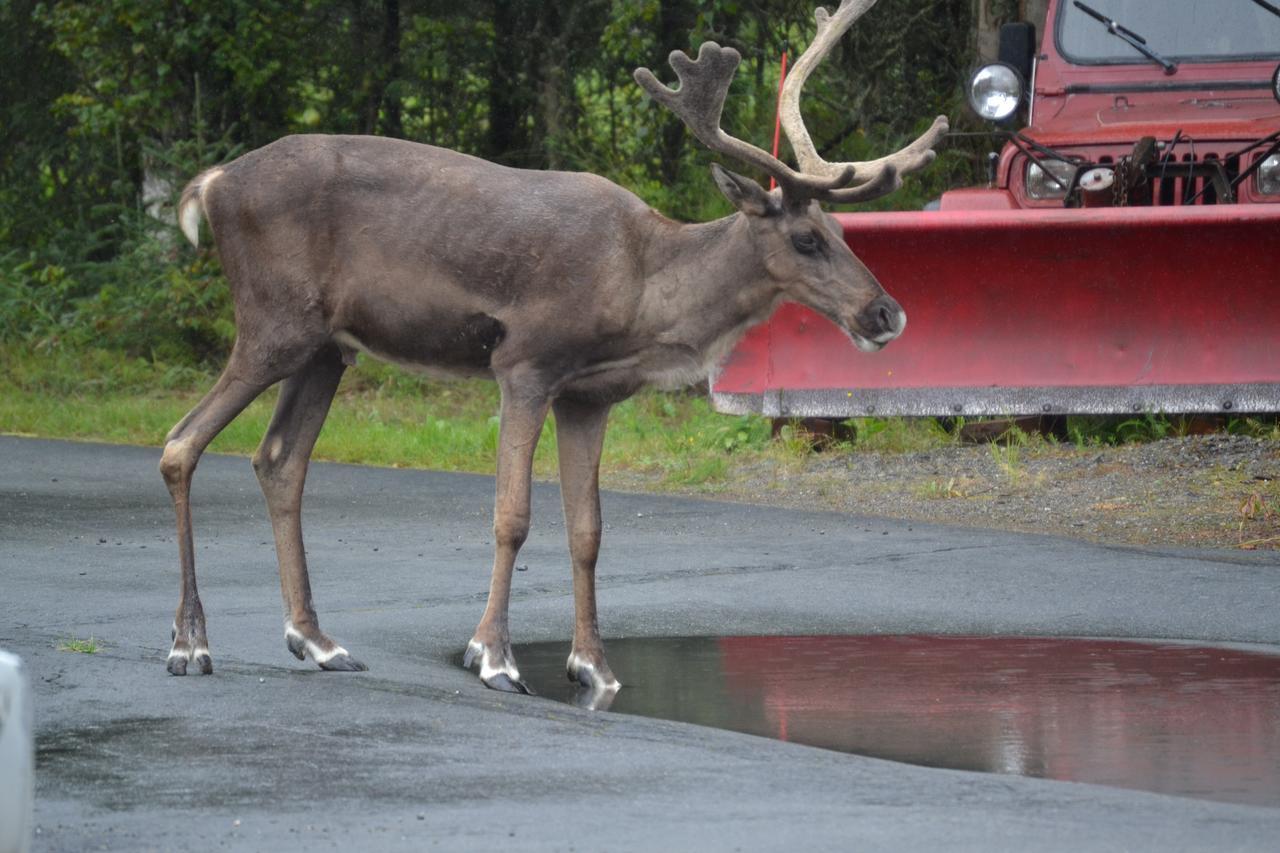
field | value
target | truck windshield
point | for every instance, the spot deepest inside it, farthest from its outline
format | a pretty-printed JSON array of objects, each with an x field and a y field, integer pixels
[{"x": 1182, "y": 30}]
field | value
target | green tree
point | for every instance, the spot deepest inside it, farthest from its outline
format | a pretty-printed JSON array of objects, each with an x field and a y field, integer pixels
[{"x": 108, "y": 107}]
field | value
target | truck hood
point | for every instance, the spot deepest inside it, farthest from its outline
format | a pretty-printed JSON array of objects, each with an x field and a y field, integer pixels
[{"x": 1205, "y": 114}]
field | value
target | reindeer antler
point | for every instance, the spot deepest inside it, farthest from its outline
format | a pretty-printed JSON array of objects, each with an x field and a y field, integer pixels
[
  {"x": 873, "y": 178},
  {"x": 699, "y": 102}
]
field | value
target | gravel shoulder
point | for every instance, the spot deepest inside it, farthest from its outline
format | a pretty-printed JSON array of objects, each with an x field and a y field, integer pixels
[{"x": 1213, "y": 491}]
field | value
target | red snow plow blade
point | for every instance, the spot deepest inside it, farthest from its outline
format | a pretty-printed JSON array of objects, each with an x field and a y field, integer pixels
[{"x": 1084, "y": 311}]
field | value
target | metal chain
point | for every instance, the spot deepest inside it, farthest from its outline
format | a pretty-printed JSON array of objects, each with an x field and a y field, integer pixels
[{"x": 1120, "y": 189}]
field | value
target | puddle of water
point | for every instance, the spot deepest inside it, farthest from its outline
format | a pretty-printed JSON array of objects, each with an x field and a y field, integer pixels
[{"x": 1172, "y": 718}]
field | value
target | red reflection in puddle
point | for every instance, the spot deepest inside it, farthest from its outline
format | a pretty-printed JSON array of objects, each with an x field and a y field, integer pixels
[
  {"x": 1167, "y": 717},
  {"x": 1172, "y": 718}
]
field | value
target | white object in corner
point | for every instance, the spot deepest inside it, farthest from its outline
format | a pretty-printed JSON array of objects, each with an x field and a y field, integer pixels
[{"x": 17, "y": 756}]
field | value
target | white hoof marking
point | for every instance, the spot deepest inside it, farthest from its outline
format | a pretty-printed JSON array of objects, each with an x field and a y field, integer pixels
[
  {"x": 579, "y": 664},
  {"x": 316, "y": 653},
  {"x": 487, "y": 669}
]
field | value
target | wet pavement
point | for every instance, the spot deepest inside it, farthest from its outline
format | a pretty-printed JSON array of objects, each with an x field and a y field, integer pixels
[
  {"x": 271, "y": 754},
  {"x": 1183, "y": 719}
]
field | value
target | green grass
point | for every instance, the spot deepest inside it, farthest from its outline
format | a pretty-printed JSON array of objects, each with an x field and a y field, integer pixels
[
  {"x": 84, "y": 647},
  {"x": 900, "y": 435},
  {"x": 935, "y": 490},
  {"x": 383, "y": 416}
]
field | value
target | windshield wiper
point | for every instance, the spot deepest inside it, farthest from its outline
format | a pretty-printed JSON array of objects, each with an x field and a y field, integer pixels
[
  {"x": 1270, "y": 7},
  {"x": 1131, "y": 38}
]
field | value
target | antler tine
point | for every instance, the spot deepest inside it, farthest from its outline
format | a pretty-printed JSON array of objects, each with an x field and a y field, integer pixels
[
  {"x": 870, "y": 179},
  {"x": 699, "y": 103},
  {"x": 885, "y": 180},
  {"x": 830, "y": 29}
]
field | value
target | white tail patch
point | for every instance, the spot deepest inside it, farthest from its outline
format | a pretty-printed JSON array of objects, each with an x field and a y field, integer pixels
[
  {"x": 191, "y": 208},
  {"x": 190, "y": 220}
]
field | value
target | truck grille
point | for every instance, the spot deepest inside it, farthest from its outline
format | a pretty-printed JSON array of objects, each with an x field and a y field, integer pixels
[
  {"x": 1199, "y": 182},
  {"x": 1189, "y": 179}
]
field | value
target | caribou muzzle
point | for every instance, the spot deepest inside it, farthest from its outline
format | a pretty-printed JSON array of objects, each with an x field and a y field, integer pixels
[{"x": 880, "y": 322}]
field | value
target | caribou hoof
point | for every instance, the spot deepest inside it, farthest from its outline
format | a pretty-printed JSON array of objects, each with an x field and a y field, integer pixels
[
  {"x": 180, "y": 657},
  {"x": 593, "y": 675},
  {"x": 192, "y": 645},
  {"x": 296, "y": 643},
  {"x": 327, "y": 654},
  {"x": 497, "y": 672},
  {"x": 504, "y": 683},
  {"x": 343, "y": 662}
]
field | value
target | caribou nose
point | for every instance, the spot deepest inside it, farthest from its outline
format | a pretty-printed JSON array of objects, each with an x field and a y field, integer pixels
[{"x": 883, "y": 319}]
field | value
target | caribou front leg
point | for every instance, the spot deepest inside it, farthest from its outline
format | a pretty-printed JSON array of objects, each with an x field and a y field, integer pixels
[
  {"x": 580, "y": 428},
  {"x": 523, "y": 413}
]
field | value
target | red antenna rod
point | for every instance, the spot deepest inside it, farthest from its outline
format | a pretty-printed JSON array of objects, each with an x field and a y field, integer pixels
[{"x": 777, "y": 114}]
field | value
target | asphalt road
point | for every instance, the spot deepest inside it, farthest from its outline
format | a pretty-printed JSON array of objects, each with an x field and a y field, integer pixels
[{"x": 271, "y": 754}]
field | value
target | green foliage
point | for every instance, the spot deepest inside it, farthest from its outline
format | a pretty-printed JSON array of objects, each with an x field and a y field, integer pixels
[
  {"x": 1153, "y": 426},
  {"x": 899, "y": 435},
  {"x": 1258, "y": 426},
  {"x": 108, "y": 107},
  {"x": 1115, "y": 430},
  {"x": 148, "y": 300}
]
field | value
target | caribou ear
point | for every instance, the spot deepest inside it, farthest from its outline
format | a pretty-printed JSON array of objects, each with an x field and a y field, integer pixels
[{"x": 745, "y": 194}]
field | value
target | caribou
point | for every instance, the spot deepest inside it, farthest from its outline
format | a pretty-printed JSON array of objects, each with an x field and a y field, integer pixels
[{"x": 564, "y": 288}]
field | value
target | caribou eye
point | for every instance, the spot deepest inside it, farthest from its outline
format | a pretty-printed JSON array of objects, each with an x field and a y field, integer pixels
[{"x": 807, "y": 243}]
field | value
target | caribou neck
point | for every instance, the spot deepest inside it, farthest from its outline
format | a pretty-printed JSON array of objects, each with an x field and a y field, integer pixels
[{"x": 705, "y": 283}]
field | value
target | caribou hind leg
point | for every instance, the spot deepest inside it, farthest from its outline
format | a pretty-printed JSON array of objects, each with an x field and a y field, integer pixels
[
  {"x": 580, "y": 428},
  {"x": 239, "y": 384},
  {"x": 523, "y": 413},
  {"x": 281, "y": 465}
]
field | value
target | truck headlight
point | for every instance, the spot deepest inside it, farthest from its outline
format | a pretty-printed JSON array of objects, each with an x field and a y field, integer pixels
[
  {"x": 1275, "y": 82},
  {"x": 1269, "y": 176},
  {"x": 995, "y": 91},
  {"x": 1040, "y": 184}
]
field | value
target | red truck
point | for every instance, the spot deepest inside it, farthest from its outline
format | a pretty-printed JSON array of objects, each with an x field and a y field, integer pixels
[{"x": 1124, "y": 256}]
